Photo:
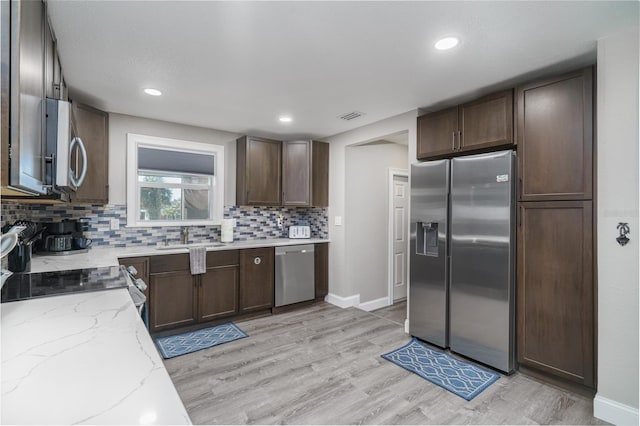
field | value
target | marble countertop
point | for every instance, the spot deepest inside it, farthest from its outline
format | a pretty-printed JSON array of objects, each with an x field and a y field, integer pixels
[
  {"x": 83, "y": 358},
  {"x": 102, "y": 257}
]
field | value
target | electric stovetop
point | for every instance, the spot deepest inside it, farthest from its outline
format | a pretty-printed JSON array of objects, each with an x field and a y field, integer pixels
[{"x": 21, "y": 286}]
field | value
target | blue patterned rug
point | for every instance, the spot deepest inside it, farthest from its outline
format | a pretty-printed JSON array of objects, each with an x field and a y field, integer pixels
[
  {"x": 180, "y": 344},
  {"x": 461, "y": 378}
]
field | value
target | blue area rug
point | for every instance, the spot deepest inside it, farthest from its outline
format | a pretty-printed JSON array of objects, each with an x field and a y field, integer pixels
[
  {"x": 461, "y": 378},
  {"x": 180, "y": 344}
]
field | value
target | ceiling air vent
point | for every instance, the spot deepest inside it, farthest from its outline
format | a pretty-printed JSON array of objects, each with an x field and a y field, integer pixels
[{"x": 351, "y": 115}]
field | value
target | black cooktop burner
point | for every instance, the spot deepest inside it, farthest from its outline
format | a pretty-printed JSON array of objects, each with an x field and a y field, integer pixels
[{"x": 23, "y": 286}]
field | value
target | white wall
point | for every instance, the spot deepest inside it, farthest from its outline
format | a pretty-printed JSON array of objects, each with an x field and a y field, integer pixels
[
  {"x": 338, "y": 257},
  {"x": 120, "y": 125},
  {"x": 618, "y": 189},
  {"x": 367, "y": 203}
]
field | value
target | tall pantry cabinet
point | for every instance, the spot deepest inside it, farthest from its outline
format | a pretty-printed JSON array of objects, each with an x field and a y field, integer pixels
[{"x": 556, "y": 288}]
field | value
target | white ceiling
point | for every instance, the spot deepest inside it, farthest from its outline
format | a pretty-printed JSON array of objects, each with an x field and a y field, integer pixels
[{"x": 237, "y": 66}]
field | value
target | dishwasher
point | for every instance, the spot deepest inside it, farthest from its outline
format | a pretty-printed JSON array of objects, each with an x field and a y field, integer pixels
[{"x": 294, "y": 274}]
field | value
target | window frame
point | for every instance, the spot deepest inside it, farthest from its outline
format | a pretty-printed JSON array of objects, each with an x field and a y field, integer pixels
[{"x": 216, "y": 206}]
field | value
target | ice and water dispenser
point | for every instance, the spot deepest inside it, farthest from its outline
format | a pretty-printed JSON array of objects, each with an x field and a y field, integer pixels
[{"x": 427, "y": 239}]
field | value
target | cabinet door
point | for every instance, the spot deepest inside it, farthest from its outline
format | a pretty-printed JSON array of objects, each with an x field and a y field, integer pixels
[
  {"x": 27, "y": 95},
  {"x": 218, "y": 293},
  {"x": 321, "y": 265},
  {"x": 486, "y": 122},
  {"x": 49, "y": 61},
  {"x": 320, "y": 174},
  {"x": 92, "y": 126},
  {"x": 296, "y": 173},
  {"x": 5, "y": 53},
  {"x": 437, "y": 133},
  {"x": 259, "y": 172},
  {"x": 555, "y": 138},
  {"x": 256, "y": 279},
  {"x": 172, "y": 301},
  {"x": 555, "y": 289}
]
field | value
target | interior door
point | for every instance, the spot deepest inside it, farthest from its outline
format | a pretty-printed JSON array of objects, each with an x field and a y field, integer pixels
[{"x": 400, "y": 231}]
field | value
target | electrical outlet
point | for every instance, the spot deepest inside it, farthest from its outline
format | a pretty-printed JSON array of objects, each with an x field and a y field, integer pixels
[
  {"x": 115, "y": 224},
  {"x": 234, "y": 222},
  {"x": 337, "y": 221}
]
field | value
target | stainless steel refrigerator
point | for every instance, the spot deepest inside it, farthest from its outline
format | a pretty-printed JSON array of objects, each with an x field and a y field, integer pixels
[{"x": 462, "y": 273}]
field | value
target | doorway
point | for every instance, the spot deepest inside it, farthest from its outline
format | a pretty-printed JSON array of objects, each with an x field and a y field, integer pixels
[{"x": 398, "y": 235}]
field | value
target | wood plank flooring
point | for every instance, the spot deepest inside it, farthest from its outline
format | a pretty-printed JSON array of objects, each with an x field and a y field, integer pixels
[{"x": 322, "y": 365}]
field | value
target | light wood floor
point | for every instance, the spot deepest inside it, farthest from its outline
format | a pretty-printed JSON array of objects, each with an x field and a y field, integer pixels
[{"x": 322, "y": 365}]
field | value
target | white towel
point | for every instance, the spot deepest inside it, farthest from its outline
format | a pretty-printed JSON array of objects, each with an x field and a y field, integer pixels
[{"x": 198, "y": 260}]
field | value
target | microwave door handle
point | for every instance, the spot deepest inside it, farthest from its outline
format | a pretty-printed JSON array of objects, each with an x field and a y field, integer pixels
[{"x": 83, "y": 154}]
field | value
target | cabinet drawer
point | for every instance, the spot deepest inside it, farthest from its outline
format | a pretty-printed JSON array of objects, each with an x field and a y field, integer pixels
[
  {"x": 169, "y": 263},
  {"x": 222, "y": 258}
]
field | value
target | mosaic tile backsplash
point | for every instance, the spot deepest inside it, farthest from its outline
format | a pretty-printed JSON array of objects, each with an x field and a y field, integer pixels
[{"x": 252, "y": 223}]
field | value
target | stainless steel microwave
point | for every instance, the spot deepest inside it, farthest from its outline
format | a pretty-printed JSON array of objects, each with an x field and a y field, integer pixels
[{"x": 66, "y": 156}]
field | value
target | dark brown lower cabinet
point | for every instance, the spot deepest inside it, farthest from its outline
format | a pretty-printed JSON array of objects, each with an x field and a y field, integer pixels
[
  {"x": 218, "y": 293},
  {"x": 172, "y": 300},
  {"x": 556, "y": 290},
  {"x": 177, "y": 298},
  {"x": 256, "y": 279},
  {"x": 321, "y": 261}
]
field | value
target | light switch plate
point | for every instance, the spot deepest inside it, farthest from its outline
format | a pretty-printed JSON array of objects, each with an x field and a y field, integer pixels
[
  {"x": 337, "y": 220},
  {"x": 115, "y": 224}
]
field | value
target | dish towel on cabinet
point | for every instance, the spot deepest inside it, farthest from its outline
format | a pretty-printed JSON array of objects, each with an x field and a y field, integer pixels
[{"x": 198, "y": 260}]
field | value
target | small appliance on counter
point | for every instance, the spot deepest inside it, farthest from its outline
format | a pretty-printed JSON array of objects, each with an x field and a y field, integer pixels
[
  {"x": 300, "y": 231},
  {"x": 65, "y": 237}
]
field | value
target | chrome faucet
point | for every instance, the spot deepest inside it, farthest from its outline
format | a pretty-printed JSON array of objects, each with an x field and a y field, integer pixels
[{"x": 184, "y": 235}]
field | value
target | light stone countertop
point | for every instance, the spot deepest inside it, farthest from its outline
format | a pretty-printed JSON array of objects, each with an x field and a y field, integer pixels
[
  {"x": 83, "y": 358},
  {"x": 108, "y": 256}
]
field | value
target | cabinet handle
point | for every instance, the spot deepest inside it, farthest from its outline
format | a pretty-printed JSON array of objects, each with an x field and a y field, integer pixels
[
  {"x": 453, "y": 141},
  {"x": 459, "y": 139},
  {"x": 257, "y": 260}
]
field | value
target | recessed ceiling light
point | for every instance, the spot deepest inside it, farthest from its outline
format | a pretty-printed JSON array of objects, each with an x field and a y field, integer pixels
[
  {"x": 153, "y": 92},
  {"x": 285, "y": 119},
  {"x": 447, "y": 43}
]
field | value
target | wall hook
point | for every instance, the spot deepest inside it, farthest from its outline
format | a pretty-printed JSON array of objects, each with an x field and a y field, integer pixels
[{"x": 623, "y": 228}]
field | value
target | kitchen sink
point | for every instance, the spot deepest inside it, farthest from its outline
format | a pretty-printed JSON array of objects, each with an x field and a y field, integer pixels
[{"x": 181, "y": 246}]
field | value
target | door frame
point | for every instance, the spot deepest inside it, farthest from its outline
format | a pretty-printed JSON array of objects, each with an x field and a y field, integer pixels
[{"x": 393, "y": 173}]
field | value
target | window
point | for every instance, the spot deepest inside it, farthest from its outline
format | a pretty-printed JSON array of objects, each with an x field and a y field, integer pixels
[{"x": 173, "y": 182}]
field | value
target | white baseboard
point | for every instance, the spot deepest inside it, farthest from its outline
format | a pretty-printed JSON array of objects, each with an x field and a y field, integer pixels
[
  {"x": 614, "y": 412},
  {"x": 406, "y": 326},
  {"x": 372, "y": 305},
  {"x": 343, "y": 302}
]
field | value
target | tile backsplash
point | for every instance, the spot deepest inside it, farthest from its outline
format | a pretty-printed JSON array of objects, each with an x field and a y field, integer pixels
[{"x": 251, "y": 223}]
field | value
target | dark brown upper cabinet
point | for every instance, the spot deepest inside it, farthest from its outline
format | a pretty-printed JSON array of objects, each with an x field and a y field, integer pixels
[
  {"x": 556, "y": 308},
  {"x": 305, "y": 173},
  {"x": 93, "y": 127},
  {"x": 471, "y": 127},
  {"x": 258, "y": 172},
  {"x": 437, "y": 133},
  {"x": 487, "y": 122},
  {"x": 555, "y": 138},
  {"x": 320, "y": 174},
  {"x": 296, "y": 173}
]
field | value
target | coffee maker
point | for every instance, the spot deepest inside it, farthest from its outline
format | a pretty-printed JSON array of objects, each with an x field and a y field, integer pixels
[{"x": 65, "y": 237}]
